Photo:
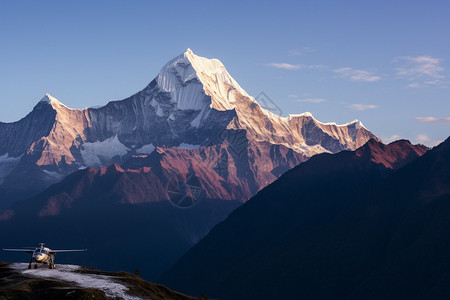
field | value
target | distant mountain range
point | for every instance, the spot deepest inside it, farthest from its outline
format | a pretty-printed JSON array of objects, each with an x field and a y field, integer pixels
[
  {"x": 150, "y": 175},
  {"x": 193, "y": 111},
  {"x": 368, "y": 224}
]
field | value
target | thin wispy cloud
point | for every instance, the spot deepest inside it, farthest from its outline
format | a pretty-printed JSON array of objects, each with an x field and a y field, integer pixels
[
  {"x": 301, "y": 51},
  {"x": 305, "y": 99},
  {"x": 310, "y": 100},
  {"x": 287, "y": 66},
  {"x": 424, "y": 71},
  {"x": 361, "y": 107},
  {"x": 426, "y": 140},
  {"x": 357, "y": 75},
  {"x": 432, "y": 120}
]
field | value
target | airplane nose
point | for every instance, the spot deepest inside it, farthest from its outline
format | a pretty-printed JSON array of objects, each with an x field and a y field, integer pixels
[{"x": 38, "y": 257}]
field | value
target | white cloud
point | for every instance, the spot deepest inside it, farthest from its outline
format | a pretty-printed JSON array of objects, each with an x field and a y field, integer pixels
[
  {"x": 310, "y": 100},
  {"x": 362, "y": 107},
  {"x": 285, "y": 66},
  {"x": 292, "y": 67},
  {"x": 422, "y": 138},
  {"x": 301, "y": 51},
  {"x": 416, "y": 85},
  {"x": 390, "y": 139},
  {"x": 419, "y": 66},
  {"x": 357, "y": 75},
  {"x": 432, "y": 120},
  {"x": 424, "y": 71}
]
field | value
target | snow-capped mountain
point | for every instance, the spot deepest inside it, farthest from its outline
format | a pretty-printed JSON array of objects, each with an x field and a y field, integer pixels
[{"x": 193, "y": 104}]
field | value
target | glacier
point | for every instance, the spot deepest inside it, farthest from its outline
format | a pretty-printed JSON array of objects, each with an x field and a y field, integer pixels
[
  {"x": 95, "y": 154},
  {"x": 146, "y": 149}
]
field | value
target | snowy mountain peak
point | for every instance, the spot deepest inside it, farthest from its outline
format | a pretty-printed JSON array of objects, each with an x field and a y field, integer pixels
[
  {"x": 358, "y": 124},
  {"x": 192, "y": 103},
  {"x": 196, "y": 82},
  {"x": 55, "y": 103},
  {"x": 49, "y": 99}
]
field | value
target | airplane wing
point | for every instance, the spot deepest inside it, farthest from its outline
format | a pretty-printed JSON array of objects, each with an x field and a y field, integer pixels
[
  {"x": 62, "y": 251},
  {"x": 20, "y": 250}
]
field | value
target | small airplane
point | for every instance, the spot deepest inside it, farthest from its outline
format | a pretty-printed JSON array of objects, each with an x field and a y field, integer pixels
[{"x": 43, "y": 255}]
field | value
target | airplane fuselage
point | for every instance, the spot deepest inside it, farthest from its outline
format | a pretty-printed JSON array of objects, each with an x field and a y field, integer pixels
[{"x": 41, "y": 255}]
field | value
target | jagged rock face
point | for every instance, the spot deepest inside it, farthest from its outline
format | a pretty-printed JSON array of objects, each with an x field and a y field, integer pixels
[
  {"x": 17, "y": 137},
  {"x": 192, "y": 103}
]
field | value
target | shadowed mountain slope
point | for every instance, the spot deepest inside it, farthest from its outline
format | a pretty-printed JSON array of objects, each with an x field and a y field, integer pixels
[{"x": 369, "y": 224}]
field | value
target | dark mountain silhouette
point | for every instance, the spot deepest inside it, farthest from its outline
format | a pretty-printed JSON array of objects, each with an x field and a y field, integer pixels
[{"x": 343, "y": 226}]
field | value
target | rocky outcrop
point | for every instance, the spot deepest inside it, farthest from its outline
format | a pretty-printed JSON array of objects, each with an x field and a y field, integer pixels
[{"x": 75, "y": 282}]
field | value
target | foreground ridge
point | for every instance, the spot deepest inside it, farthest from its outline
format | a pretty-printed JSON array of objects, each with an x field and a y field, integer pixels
[{"x": 75, "y": 282}]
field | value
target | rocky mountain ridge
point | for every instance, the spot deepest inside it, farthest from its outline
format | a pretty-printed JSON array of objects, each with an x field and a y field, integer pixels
[{"x": 192, "y": 103}]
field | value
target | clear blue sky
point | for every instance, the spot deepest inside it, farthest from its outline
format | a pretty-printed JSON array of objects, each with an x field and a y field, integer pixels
[{"x": 385, "y": 63}]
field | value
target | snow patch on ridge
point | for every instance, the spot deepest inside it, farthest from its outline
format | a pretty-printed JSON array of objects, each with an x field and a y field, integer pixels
[
  {"x": 311, "y": 150},
  {"x": 94, "y": 153},
  {"x": 146, "y": 149},
  {"x": 188, "y": 146},
  {"x": 358, "y": 124},
  {"x": 69, "y": 273},
  {"x": 305, "y": 114},
  {"x": 7, "y": 165},
  {"x": 53, "y": 175}
]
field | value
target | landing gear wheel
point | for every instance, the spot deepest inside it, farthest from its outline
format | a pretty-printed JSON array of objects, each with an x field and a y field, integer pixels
[
  {"x": 35, "y": 266},
  {"x": 29, "y": 266}
]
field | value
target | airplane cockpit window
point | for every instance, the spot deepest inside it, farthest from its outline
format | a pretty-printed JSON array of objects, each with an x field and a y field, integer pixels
[
  {"x": 43, "y": 251},
  {"x": 37, "y": 250}
]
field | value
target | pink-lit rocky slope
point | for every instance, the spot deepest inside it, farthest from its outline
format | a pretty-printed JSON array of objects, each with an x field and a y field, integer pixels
[{"x": 193, "y": 111}]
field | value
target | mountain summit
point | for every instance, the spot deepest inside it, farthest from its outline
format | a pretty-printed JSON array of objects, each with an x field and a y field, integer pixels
[{"x": 193, "y": 103}]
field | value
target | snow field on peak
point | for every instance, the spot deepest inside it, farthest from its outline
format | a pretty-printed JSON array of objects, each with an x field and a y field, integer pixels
[
  {"x": 191, "y": 79},
  {"x": 54, "y": 102}
]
